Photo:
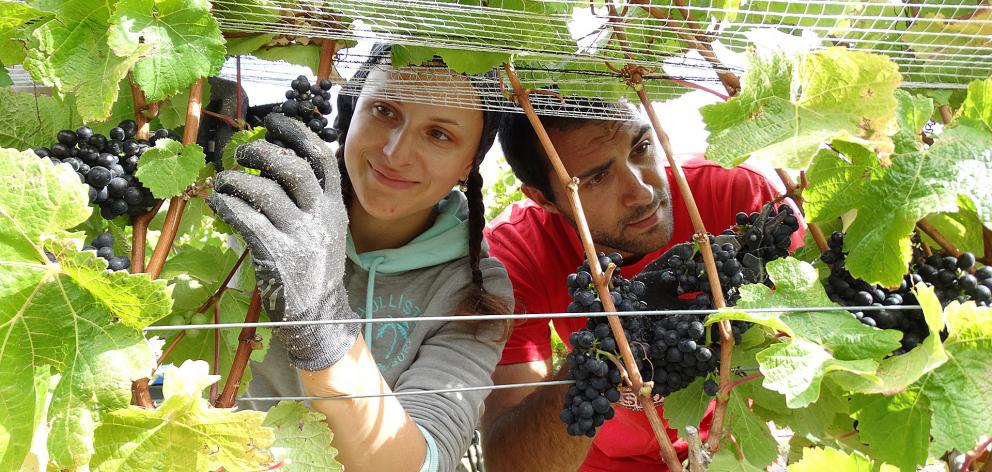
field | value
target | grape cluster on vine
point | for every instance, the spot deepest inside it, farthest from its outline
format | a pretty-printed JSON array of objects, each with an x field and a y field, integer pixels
[
  {"x": 953, "y": 279},
  {"x": 103, "y": 244},
  {"x": 671, "y": 351},
  {"x": 107, "y": 164},
  {"x": 310, "y": 103}
]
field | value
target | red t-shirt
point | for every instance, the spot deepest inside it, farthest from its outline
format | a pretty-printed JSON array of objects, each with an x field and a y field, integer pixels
[{"x": 540, "y": 249}]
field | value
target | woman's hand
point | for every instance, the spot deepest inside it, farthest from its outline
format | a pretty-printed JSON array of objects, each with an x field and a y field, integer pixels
[{"x": 293, "y": 219}]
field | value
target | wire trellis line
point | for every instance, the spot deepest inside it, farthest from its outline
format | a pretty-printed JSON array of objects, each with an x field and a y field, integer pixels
[
  {"x": 548, "y": 383},
  {"x": 527, "y": 316}
]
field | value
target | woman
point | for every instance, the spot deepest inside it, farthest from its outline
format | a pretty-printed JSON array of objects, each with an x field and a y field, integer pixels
[{"x": 413, "y": 246}]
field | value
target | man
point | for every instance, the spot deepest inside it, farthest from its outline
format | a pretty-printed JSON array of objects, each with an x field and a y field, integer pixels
[{"x": 633, "y": 207}]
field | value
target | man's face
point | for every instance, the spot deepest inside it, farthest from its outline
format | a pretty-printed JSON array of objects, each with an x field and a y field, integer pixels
[{"x": 622, "y": 185}]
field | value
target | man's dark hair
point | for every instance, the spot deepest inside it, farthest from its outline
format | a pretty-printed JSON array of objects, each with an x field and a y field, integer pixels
[{"x": 521, "y": 147}]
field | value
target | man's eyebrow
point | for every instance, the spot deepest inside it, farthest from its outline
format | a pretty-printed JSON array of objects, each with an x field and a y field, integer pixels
[
  {"x": 595, "y": 170},
  {"x": 640, "y": 134}
]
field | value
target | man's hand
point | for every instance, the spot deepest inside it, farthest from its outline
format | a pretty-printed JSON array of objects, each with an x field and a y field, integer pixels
[
  {"x": 296, "y": 231},
  {"x": 660, "y": 293}
]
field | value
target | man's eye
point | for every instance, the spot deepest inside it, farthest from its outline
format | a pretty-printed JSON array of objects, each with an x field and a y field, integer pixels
[
  {"x": 643, "y": 147},
  {"x": 597, "y": 179}
]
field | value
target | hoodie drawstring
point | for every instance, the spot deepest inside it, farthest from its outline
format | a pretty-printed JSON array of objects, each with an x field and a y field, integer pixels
[{"x": 369, "y": 293}]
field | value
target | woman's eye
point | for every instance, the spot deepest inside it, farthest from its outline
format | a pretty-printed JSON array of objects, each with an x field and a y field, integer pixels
[
  {"x": 643, "y": 147},
  {"x": 382, "y": 109},
  {"x": 440, "y": 135}
]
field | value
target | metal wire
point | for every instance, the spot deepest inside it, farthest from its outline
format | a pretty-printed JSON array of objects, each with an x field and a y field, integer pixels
[
  {"x": 941, "y": 44},
  {"x": 548, "y": 383},
  {"x": 515, "y": 316}
]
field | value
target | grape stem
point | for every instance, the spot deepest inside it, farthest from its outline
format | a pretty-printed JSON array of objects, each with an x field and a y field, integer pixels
[
  {"x": 246, "y": 342},
  {"x": 216, "y": 366},
  {"x": 522, "y": 97},
  {"x": 987, "y": 243},
  {"x": 177, "y": 204},
  {"x": 941, "y": 241},
  {"x": 946, "y": 114},
  {"x": 139, "y": 234},
  {"x": 168, "y": 349},
  {"x": 795, "y": 192},
  {"x": 725, "y": 389}
]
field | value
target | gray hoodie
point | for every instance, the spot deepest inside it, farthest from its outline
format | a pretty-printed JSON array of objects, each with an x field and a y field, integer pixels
[{"x": 428, "y": 276}]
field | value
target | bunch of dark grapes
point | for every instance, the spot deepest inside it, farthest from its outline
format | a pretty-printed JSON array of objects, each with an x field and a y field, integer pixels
[
  {"x": 955, "y": 278},
  {"x": 846, "y": 290},
  {"x": 103, "y": 244},
  {"x": 588, "y": 402},
  {"x": 681, "y": 272},
  {"x": 626, "y": 295},
  {"x": 310, "y": 104},
  {"x": 107, "y": 164},
  {"x": 763, "y": 236}
]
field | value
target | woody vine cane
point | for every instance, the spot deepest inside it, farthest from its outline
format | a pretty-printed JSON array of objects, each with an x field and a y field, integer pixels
[{"x": 643, "y": 391}]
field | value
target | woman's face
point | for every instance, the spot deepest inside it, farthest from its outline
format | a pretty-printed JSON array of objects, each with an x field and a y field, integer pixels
[{"x": 403, "y": 157}]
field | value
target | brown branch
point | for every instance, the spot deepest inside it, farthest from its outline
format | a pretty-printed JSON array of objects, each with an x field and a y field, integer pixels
[
  {"x": 140, "y": 396},
  {"x": 730, "y": 385},
  {"x": 796, "y": 195},
  {"x": 696, "y": 86},
  {"x": 944, "y": 244},
  {"x": 327, "y": 49},
  {"x": 716, "y": 291},
  {"x": 599, "y": 279},
  {"x": 177, "y": 204},
  {"x": 223, "y": 285},
  {"x": 139, "y": 234},
  {"x": 246, "y": 342},
  {"x": 216, "y": 366},
  {"x": 987, "y": 243},
  {"x": 168, "y": 349},
  {"x": 946, "y": 115},
  {"x": 140, "y": 107}
]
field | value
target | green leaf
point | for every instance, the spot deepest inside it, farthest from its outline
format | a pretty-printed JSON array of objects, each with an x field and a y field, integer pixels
[
  {"x": 459, "y": 60},
  {"x": 751, "y": 432},
  {"x": 183, "y": 43},
  {"x": 69, "y": 52},
  {"x": 303, "y": 55},
  {"x": 172, "y": 111},
  {"x": 795, "y": 368},
  {"x": 248, "y": 11},
  {"x": 978, "y": 104},
  {"x": 797, "y": 285},
  {"x": 247, "y": 44},
  {"x": 15, "y": 14},
  {"x": 5, "y": 77},
  {"x": 302, "y": 439},
  {"x": 28, "y": 121},
  {"x": 60, "y": 314},
  {"x": 237, "y": 139},
  {"x": 726, "y": 460},
  {"x": 838, "y": 179},
  {"x": 958, "y": 389},
  {"x": 914, "y": 112},
  {"x": 821, "y": 420},
  {"x": 686, "y": 407},
  {"x": 820, "y": 459},
  {"x": 786, "y": 111},
  {"x": 184, "y": 432},
  {"x": 896, "y": 428},
  {"x": 169, "y": 167}
]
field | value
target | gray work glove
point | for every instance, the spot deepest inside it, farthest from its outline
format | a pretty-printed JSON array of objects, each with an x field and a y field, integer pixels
[{"x": 296, "y": 232}]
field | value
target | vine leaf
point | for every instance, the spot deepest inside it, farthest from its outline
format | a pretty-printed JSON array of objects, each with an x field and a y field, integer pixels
[
  {"x": 687, "y": 407},
  {"x": 184, "y": 432},
  {"x": 61, "y": 315},
  {"x": 795, "y": 368},
  {"x": 817, "y": 459},
  {"x": 797, "y": 285},
  {"x": 237, "y": 139},
  {"x": 69, "y": 52},
  {"x": 958, "y": 389},
  {"x": 467, "y": 62},
  {"x": 178, "y": 41},
  {"x": 726, "y": 460},
  {"x": 896, "y": 428},
  {"x": 302, "y": 438},
  {"x": 307, "y": 55},
  {"x": 752, "y": 433},
  {"x": 890, "y": 199},
  {"x": 914, "y": 112},
  {"x": 787, "y": 110},
  {"x": 978, "y": 103},
  {"x": 169, "y": 168}
]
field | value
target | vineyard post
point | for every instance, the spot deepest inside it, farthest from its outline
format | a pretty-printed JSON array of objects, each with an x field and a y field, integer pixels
[{"x": 643, "y": 392}]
